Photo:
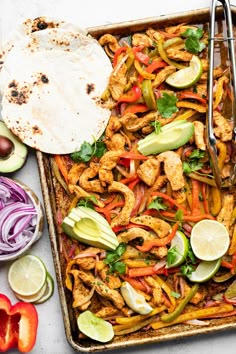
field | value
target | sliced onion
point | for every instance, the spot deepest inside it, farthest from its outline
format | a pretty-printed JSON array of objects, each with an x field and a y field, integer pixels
[{"x": 17, "y": 217}]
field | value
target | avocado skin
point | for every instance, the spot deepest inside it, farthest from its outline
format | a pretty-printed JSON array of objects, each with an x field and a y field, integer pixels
[
  {"x": 87, "y": 226},
  {"x": 19, "y": 153}
]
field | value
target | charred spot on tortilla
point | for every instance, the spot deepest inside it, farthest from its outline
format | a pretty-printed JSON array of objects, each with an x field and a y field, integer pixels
[
  {"x": 36, "y": 130},
  {"x": 90, "y": 88},
  {"x": 44, "y": 79},
  {"x": 19, "y": 95}
]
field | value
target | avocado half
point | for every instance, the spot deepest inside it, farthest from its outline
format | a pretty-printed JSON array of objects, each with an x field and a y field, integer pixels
[{"x": 13, "y": 152}]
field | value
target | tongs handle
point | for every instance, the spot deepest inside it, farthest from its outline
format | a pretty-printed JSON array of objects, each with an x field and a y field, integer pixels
[{"x": 211, "y": 140}]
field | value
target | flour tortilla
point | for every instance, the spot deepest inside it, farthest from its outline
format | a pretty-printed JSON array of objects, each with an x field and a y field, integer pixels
[{"x": 52, "y": 81}]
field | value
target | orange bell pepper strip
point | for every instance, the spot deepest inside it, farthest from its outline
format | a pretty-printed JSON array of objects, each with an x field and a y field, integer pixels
[
  {"x": 156, "y": 64},
  {"x": 191, "y": 95},
  {"x": 62, "y": 166},
  {"x": 136, "y": 108},
  {"x": 195, "y": 197},
  {"x": 193, "y": 218},
  {"x": 170, "y": 200},
  {"x": 145, "y": 271},
  {"x": 147, "y": 245},
  {"x": 133, "y": 156},
  {"x": 132, "y": 95},
  {"x": 205, "y": 198}
]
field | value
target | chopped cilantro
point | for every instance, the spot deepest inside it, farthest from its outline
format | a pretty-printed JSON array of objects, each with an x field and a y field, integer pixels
[
  {"x": 166, "y": 105},
  {"x": 193, "y": 162},
  {"x": 172, "y": 255},
  {"x": 88, "y": 202},
  {"x": 179, "y": 215},
  {"x": 157, "y": 126},
  {"x": 187, "y": 269}
]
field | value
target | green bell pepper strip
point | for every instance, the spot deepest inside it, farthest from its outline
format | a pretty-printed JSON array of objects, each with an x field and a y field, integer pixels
[
  {"x": 169, "y": 317},
  {"x": 148, "y": 94}
]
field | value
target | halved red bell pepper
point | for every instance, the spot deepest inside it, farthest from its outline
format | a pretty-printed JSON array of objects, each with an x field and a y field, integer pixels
[{"x": 18, "y": 325}]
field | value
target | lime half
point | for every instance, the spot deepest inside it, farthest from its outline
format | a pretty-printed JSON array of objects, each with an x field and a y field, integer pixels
[
  {"x": 178, "y": 250},
  {"x": 205, "y": 271},
  {"x": 209, "y": 240},
  {"x": 27, "y": 275},
  {"x": 95, "y": 327},
  {"x": 188, "y": 76}
]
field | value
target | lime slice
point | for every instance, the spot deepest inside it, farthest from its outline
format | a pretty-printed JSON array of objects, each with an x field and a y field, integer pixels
[
  {"x": 32, "y": 298},
  {"x": 134, "y": 300},
  {"x": 48, "y": 291},
  {"x": 209, "y": 240},
  {"x": 188, "y": 76},
  {"x": 178, "y": 250},
  {"x": 95, "y": 327},
  {"x": 205, "y": 271},
  {"x": 27, "y": 275}
]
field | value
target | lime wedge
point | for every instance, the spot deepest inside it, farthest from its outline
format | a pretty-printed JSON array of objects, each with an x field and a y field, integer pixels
[
  {"x": 95, "y": 327},
  {"x": 134, "y": 300},
  {"x": 188, "y": 76},
  {"x": 205, "y": 271},
  {"x": 209, "y": 240},
  {"x": 27, "y": 275},
  {"x": 178, "y": 250}
]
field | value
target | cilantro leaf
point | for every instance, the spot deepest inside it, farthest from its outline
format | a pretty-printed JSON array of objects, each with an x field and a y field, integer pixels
[
  {"x": 192, "y": 42},
  {"x": 113, "y": 259},
  {"x": 193, "y": 163},
  {"x": 166, "y": 105},
  {"x": 172, "y": 255},
  {"x": 87, "y": 151},
  {"x": 187, "y": 269},
  {"x": 199, "y": 154},
  {"x": 179, "y": 215},
  {"x": 157, "y": 126},
  {"x": 157, "y": 204},
  {"x": 88, "y": 202}
]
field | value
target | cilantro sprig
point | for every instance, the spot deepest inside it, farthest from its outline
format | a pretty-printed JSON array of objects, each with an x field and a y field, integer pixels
[
  {"x": 166, "y": 105},
  {"x": 157, "y": 204},
  {"x": 193, "y": 162},
  {"x": 87, "y": 151},
  {"x": 88, "y": 202},
  {"x": 192, "y": 42},
  {"x": 113, "y": 259}
]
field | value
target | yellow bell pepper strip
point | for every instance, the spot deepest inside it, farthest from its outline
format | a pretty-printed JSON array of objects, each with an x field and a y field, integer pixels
[
  {"x": 137, "y": 318},
  {"x": 222, "y": 154},
  {"x": 155, "y": 65},
  {"x": 164, "y": 56},
  {"x": 166, "y": 289},
  {"x": 132, "y": 95},
  {"x": 147, "y": 245},
  {"x": 197, "y": 107},
  {"x": 148, "y": 94},
  {"x": 136, "y": 108},
  {"x": 120, "y": 330},
  {"x": 204, "y": 179},
  {"x": 197, "y": 314},
  {"x": 191, "y": 95},
  {"x": 187, "y": 114},
  {"x": 232, "y": 248},
  {"x": 219, "y": 91},
  {"x": 215, "y": 201},
  {"x": 181, "y": 306},
  {"x": 118, "y": 52},
  {"x": 172, "y": 42},
  {"x": 142, "y": 71}
]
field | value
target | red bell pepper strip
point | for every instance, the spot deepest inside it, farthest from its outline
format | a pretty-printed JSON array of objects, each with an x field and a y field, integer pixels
[
  {"x": 18, "y": 325},
  {"x": 158, "y": 242},
  {"x": 132, "y": 95},
  {"x": 136, "y": 108},
  {"x": 141, "y": 57},
  {"x": 191, "y": 95},
  {"x": 170, "y": 200},
  {"x": 117, "y": 53},
  {"x": 133, "y": 156},
  {"x": 156, "y": 64}
]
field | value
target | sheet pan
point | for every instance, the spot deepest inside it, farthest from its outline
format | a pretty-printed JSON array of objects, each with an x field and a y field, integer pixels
[{"x": 48, "y": 189}]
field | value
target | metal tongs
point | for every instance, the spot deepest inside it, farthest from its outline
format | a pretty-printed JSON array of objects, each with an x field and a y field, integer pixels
[{"x": 211, "y": 139}]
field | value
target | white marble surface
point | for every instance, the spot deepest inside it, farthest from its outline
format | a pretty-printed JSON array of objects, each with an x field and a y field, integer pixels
[{"x": 51, "y": 338}]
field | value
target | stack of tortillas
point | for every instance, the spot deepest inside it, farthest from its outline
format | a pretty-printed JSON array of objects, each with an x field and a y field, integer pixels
[{"x": 51, "y": 82}]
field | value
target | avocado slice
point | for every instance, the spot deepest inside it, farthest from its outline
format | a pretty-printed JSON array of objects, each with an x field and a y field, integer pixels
[
  {"x": 13, "y": 152},
  {"x": 171, "y": 137},
  {"x": 87, "y": 226}
]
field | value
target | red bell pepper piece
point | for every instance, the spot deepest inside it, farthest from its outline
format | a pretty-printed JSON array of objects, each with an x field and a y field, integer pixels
[
  {"x": 140, "y": 56},
  {"x": 117, "y": 53},
  {"x": 136, "y": 108},
  {"x": 156, "y": 64},
  {"x": 191, "y": 95},
  {"x": 132, "y": 95},
  {"x": 18, "y": 325}
]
